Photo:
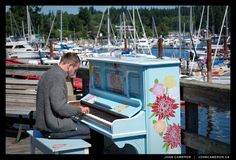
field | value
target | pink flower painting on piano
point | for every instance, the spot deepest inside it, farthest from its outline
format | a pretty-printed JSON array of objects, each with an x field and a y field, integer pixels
[
  {"x": 158, "y": 89},
  {"x": 163, "y": 109},
  {"x": 97, "y": 79},
  {"x": 172, "y": 136},
  {"x": 116, "y": 83},
  {"x": 159, "y": 126}
]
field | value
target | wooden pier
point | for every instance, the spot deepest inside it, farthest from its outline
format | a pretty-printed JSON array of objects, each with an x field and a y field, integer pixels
[{"x": 192, "y": 92}]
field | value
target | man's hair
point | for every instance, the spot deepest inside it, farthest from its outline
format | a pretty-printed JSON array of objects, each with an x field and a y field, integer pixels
[{"x": 70, "y": 58}]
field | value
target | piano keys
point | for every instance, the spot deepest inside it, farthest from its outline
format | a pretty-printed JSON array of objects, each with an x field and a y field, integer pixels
[
  {"x": 135, "y": 101},
  {"x": 98, "y": 114}
]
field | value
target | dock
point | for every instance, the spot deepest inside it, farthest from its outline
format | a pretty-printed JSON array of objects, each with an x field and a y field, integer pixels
[{"x": 192, "y": 93}]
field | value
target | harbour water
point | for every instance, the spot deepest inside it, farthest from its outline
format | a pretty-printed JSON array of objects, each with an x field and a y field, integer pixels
[
  {"x": 213, "y": 123},
  {"x": 177, "y": 53},
  {"x": 166, "y": 52}
]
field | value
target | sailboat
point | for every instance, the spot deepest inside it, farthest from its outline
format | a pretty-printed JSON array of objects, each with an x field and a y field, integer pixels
[
  {"x": 110, "y": 50},
  {"x": 105, "y": 49},
  {"x": 142, "y": 46},
  {"x": 220, "y": 67},
  {"x": 21, "y": 49}
]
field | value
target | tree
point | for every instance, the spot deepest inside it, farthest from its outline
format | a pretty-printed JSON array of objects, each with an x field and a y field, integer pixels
[
  {"x": 86, "y": 22},
  {"x": 85, "y": 17},
  {"x": 18, "y": 14},
  {"x": 35, "y": 16}
]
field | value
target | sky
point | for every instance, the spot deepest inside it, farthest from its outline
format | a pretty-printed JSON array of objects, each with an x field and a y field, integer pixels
[{"x": 75, "y": 10}]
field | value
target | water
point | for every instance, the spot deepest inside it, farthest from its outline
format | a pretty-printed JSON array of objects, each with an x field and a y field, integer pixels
[
  {"x": 166, "y": 52},
  {"x": 213, "y": 123},
  {"x": 171, "y": 53}
]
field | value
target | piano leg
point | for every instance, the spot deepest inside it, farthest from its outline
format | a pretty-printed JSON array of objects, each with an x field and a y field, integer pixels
[
  {"x": 97, "y": 143},
  {"x": 137, "y": 142}
]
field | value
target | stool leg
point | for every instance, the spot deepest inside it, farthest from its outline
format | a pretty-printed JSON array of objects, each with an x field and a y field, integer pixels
[
  {"x": 19, "y": 130},
  {"x": 97, "y": 142},
  {"x": 32, "y": 147},
  {"x": 86, "y": 151},
  {"x": 31, "y": 119}
]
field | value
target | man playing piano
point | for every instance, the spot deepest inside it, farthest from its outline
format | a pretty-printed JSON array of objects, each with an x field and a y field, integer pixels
[{"x": 55, "y": 118}]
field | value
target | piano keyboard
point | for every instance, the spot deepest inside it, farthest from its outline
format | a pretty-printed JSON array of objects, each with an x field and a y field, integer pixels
[
  {"x": 98, "y": 119},
  {"x": 100, "y": 115}
]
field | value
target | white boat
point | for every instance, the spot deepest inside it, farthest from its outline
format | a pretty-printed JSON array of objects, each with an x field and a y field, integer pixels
[
  {"x": 21, "y": 50},
  {"x": 47, "y": 61},
  {"x": 200, "y": 52},
  {"x": 77, "y": 49},
  {"x": 139, "y": 54},
  {"x": 142, "y": 43}
]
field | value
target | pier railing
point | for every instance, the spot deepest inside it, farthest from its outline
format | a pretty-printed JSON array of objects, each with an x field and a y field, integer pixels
[
  {"x": 206, "y": 94},
  {"x": 192, "y": 92}
]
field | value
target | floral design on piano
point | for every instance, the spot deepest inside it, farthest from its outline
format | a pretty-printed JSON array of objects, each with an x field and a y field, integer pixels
[
  {"x": 169, "y": 82},
  {"x": 97, "y": 80},
  {"x": 163, "y": 109},
  {"x": 170, "y": 137},
  {"x": 116, "y": 83},
  {"x": 159, "y": 126}
]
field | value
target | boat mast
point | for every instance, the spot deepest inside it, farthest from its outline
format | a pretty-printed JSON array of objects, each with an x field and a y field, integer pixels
[
  {"x": 227, "y": 25},
  {"x": 179, "y": 34},
  {"x": 207, "y": 23},
  {"x": 191, "y": 20},
  {"x": 99, "y": 27},
  {"x": 50, "y": 31},
  {"x": 11, "y": 23},
  {"x": 61, "y": 28},
  {"x": 184, "y": 31},
  {"x": 23, "y": 30},
  {"x": 222, "y": 26},
  {"x": 213, "y": 22},
  {"x": 134, "y": 30},
  {"x": 125, "y": 37},
  {"x": 121, "y": 30},
  {"x": 108, "y": 27},
  {"x": 195, "y": 46},
  {"x": 154, "y": 28},
  {"x": 143, "y": 30},
  {"x": 28, "y": 24}
]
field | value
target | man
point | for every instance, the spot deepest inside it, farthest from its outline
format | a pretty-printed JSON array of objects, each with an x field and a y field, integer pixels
[{"x": 54, "y": 116}]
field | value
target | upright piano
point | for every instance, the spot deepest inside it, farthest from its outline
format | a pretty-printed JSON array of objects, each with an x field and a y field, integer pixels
[{"x": 135, "y": 101}]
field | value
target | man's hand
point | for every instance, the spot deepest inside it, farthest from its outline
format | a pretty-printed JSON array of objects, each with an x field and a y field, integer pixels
[{"x": 84, "y": 110}]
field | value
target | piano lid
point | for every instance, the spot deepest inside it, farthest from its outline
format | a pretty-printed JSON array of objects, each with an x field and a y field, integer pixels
[
  {"x": 128, "y": 107},
  {"x": 140, "y": 61}
]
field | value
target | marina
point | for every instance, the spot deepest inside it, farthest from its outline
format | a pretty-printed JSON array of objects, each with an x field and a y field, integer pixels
[
  {"x": 203, "y": 93},
  {"x": 125, "y": 77}
]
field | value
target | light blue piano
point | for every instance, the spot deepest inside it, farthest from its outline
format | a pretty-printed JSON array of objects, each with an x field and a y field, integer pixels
[{"x": 135, "y": 101}]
